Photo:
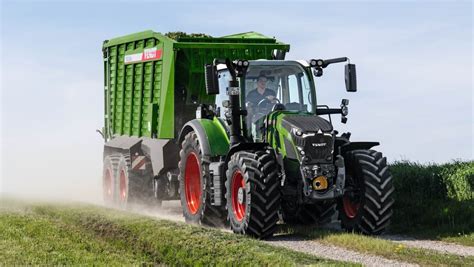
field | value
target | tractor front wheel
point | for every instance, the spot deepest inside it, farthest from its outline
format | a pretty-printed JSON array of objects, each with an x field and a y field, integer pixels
[
  {"x": 253, "y": 193},
  {"x": 366, "y": 205}
]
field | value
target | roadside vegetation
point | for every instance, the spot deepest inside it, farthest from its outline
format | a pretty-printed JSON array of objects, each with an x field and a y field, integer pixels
[
  {"x": 434, "y": 201},
  {"x": 42, "y": 234},
  {"x": 380, "y": 247}
]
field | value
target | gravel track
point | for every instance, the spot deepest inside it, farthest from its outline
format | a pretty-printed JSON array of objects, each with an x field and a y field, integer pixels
[
  {"x": 439, "y": 246},
  {"x": 332, "y": 252}
]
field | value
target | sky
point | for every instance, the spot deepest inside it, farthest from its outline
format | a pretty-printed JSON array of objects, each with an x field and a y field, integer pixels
[{"x": 414, "y": 66}]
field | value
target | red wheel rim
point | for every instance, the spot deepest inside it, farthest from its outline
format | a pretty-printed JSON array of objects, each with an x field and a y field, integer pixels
[
  {"x": 107, "y": 185},
  {"x": 350, "y": 207},
  {"x": 238, "y": 195},
  {"x": 192, "y": 183},
  {"x": 123, "y": 186}
]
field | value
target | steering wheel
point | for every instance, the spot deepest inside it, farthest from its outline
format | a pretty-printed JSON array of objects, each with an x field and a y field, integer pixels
[{"x": 263, "y": 104}]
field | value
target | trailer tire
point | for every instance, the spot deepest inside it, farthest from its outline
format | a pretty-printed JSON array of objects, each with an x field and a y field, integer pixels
[
  {"x": 368, "y": 208},
  {"x": 320, "y": 213},
  {"x": 134, "y": 187},
  {"x": 253, "y": 193},
  {"x": 194, "y": 185},
  {"x": 109, "y": 177}
]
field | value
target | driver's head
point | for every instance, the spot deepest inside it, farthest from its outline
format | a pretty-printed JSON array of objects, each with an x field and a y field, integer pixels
[{"x": 262, "y": 82}]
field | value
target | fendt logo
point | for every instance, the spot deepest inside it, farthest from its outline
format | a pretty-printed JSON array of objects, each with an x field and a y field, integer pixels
[
  {"x": 147, "y": 54},
  {"x": 319, "y": 144},
  {"x": 151, "y": 53}
]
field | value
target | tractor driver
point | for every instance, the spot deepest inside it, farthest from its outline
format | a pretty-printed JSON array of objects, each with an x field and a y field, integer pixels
[{"x": 261, "y": 92}]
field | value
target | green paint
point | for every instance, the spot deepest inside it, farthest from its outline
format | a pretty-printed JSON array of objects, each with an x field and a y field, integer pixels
[
  {"x": 140, "y": 95},
  {"x": 283, "y": 134},
  {"x": 216, "y": 136}
]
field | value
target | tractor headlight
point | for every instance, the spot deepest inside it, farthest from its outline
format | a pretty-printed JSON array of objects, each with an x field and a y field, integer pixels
[
  {"x": 297, "y": 131},
  {"x": 344, "y": 110}
]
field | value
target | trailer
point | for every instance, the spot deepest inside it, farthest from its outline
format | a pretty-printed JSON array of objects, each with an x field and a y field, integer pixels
[{"x": 234, "y": 131}]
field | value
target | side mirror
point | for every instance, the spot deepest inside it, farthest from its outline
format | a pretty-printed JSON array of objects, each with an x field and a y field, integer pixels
[
  {"x": 351, "y": 78},
  {"x": 212, "y": 85}
]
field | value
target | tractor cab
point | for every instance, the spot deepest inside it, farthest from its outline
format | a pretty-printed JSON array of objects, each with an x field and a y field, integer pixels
[{"x": 268, "y": 86}]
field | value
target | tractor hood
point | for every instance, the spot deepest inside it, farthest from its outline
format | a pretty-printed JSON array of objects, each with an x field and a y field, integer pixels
[
  {"x": 311, "y": 138},
  {"x": 306, "y": 123}
]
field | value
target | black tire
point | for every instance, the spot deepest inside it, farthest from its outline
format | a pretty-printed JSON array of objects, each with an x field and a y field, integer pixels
[
  {"x": 253, "y": 193},
  {"x": 159, "y": 190},
  {"x": 320, "y": 213},
  {"x": 196, "y": 195},
  {"x": 109, "y": 178},
  {"x": 134, "y": 187},
  {"x": 368, "y": 208}
]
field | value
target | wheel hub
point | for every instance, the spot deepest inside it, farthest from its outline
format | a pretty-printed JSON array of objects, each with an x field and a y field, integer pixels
[
  {"x": 192, "y": 183},
  {"x": 123, "y": 186},
  {"x": 240, "y": 195},
  {"x": 108, "y": 185},
  {"x": 351, "y": 207}
]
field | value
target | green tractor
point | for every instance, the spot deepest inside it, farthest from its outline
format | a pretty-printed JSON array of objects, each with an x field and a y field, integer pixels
[{"x": 258, "y": 150}]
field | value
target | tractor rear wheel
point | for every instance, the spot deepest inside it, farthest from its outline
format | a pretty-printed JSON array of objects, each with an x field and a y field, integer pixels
[
  {"x": 194, "y": 185},
  {"x": 253, "y": 193},
  {"x": 134, "y": 186},
  {"x": 366, "y": 206},
  {"x": 109, "y": 178}
]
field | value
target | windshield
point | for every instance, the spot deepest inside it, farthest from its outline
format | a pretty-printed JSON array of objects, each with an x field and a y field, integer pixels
[
  {"x": 274, "y": 87},
  {"x": 269, "y": 85}
]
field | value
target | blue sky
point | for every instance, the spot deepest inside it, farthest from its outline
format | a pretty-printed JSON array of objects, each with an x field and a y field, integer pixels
[{"x": 414, "y": 61}]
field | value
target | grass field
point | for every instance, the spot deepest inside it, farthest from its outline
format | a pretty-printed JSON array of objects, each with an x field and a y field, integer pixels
[{"x": 39, "y": 234}]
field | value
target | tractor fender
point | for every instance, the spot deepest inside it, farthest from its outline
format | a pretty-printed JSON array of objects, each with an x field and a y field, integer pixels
[
  {"x": 349, "y": 146},
  {"x": 212, "y": 136}
]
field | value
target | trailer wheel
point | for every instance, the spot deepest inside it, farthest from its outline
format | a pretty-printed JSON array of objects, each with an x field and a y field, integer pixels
[
  {"x": 194, "y": 186},
  {"x": 320, "y": 213},
  {"x": 366, "y": 206},
  {"x": 253, "y": 193},
  {"x": 109, "y": 177},
  {"x": 133, "y": 186}
]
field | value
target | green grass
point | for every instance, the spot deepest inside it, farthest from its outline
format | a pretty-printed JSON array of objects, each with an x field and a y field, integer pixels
[
  {"x": 383, "y": 248},
  {"x": 48, "y": 234},
  {"x": 461, "y": 239},
  {"x": 434, "y": 201},
  {"x": 440, "y": 234}
]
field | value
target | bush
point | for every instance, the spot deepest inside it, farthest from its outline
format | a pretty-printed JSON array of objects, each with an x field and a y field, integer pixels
[
  {"x": 434, "y": 197},
  {"x": 459, "y": 180}
]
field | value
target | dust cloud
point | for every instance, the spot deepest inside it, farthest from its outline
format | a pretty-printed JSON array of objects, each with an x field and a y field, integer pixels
[
  {"x": 63, "y": 170},
  {"x": 64, "y": 164}
]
